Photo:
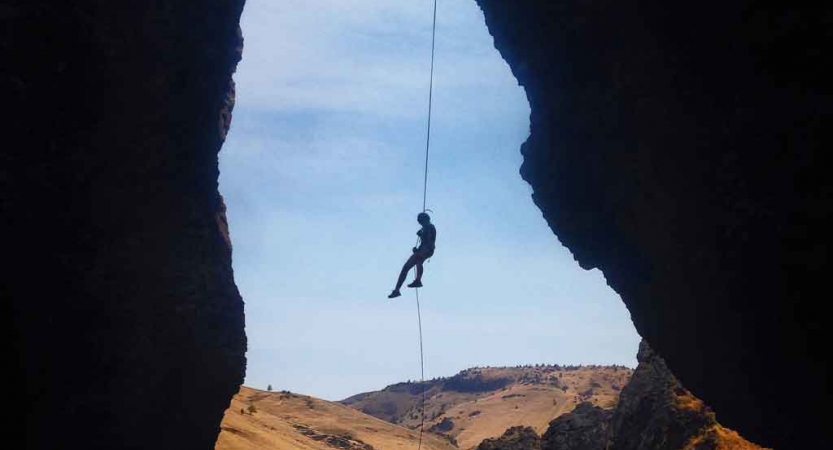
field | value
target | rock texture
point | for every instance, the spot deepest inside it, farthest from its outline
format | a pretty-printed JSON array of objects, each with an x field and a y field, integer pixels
[
  {"x": 515, "y": 438},
  {"x": 679, "y": 148},
  {"x": 655, "y": 412},
  {"x": 585, "y": 428},
  {"x": 127, "y": 328}
]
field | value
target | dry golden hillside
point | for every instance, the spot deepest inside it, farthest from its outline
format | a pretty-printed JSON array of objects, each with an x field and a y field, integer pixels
[
  {"x": 258, "y": 420},
  {"x": 482, "y": 403}
]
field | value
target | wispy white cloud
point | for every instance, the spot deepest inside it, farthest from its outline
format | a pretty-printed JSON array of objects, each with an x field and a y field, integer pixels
[
  {"x": 315, "y": 158},
  {"x": 370, "y": 57}
]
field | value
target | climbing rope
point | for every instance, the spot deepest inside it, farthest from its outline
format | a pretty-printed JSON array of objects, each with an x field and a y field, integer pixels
[
  {"x": 422, "y": 372},
  {"x": 430, "y": 98},
  {"x": 424, "y": 200}
]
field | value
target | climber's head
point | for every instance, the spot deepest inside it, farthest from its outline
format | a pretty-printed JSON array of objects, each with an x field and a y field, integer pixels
[{"x": 423, "y": 218}]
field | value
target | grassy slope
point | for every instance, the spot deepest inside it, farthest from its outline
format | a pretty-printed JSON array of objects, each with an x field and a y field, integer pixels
[
  {"x": 530, "y": 396},
  {"x": 291, "y": 421}
]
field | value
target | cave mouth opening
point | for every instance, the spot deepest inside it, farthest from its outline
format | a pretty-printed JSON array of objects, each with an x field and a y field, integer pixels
[{"x": 322, "y": 176}]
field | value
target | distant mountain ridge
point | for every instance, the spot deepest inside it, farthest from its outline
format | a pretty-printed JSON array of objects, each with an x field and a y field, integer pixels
[
  {"x": 482, "y": 402},
  {"x": 543, "y": 407}
]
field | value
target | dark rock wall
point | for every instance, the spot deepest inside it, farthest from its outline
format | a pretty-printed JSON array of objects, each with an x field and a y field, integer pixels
[
  {"x": 678, "y": 147},
  {"x": 655, "y": 412},
  {"x": 515, "y": 438},
  {"x": 648, "y": 417},
  {"x": 587, "y": 427},
  {"x": 127, "y": 328}
]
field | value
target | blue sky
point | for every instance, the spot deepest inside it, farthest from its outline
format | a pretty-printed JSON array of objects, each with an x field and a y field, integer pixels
[{"x": 322, "y": 175}]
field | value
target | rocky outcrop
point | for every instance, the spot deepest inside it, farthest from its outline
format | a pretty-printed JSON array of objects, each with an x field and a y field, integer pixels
[
  {"x": 655, "y": 412},
  {"x": 333, "y": 440},
  {"x": 515, "y": 438},
  {"x": 444, "y": 426},
  {"x": 678, "y": 148},
  {"x": 127, "y": 327},
  {"x": 585, "y": 428}
]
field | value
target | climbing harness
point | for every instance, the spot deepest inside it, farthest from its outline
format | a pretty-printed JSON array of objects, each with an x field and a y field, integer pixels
[{"x": 424, "y": 200}]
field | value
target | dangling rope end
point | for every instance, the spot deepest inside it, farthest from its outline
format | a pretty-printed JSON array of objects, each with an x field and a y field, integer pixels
[{"x": 422, "y": 372}]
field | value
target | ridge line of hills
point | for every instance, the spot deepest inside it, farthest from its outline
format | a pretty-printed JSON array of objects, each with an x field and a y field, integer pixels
[{"x": 531, "y": 407}]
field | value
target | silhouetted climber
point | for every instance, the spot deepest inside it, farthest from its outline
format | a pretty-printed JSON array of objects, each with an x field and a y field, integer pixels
[{"x": 427, "y": 238}]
